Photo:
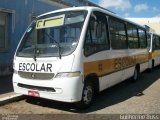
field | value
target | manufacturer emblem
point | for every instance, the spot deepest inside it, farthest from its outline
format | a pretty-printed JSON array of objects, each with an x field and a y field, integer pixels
[{"x": 33, "y": 75}]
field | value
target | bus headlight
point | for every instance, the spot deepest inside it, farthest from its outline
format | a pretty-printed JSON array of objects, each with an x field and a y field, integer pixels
[{"x": 68, "y": 74}]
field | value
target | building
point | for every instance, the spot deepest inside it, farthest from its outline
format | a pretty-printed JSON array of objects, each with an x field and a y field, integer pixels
[
  {"x": 153, "y": 23},
  {"x": 15, "y": 16}
]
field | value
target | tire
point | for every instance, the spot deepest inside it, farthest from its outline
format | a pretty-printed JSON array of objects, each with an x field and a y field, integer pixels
[
  {"x": 136, "y": 74},
  {"x": 152, "y": 66},
  {"x": 87, "y": 96}
]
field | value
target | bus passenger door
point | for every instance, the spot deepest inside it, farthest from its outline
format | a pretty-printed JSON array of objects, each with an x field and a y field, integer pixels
[{"x": 96, "y": 45}]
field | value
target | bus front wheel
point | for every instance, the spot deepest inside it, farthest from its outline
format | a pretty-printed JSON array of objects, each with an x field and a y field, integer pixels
[{"x": 87, "y": 96}]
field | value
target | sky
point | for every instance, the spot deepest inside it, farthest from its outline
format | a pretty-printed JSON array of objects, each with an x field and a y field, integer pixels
[{"x": 132, "y": 8}]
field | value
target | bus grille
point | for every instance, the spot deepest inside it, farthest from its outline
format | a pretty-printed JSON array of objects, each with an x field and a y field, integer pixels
[
  {"x": 36, "y": 76},
  {"x": 36, "y": 88}
]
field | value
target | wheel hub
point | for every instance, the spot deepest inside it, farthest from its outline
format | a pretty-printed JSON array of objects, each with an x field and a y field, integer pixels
[{"x": 88, "y": 94}]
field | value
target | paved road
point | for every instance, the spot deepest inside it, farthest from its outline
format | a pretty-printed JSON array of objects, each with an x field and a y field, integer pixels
[{"x": 142, "y": 97}]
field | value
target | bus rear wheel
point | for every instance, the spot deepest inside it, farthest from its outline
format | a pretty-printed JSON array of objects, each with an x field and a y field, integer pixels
[
  {"x": 136, "y": 74},
  {"x": 87, "y": 96},
  {"x": 152, "y": 64}
]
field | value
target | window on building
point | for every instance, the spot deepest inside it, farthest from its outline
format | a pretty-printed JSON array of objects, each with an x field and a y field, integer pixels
[
  {"x": 142, "y": 38},
  {"x": 96, "y": 37},
  {"x": 117, "y": 34},
  {"x": 133, "y": 41},
  {"x": 3, "y": 31}
]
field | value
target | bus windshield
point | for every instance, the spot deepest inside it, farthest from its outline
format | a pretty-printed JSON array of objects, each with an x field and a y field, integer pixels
[{"x": 52, "y": 35}]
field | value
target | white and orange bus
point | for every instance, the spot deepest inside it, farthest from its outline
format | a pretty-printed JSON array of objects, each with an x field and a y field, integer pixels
[
  {"x": 154, "y": 49},
  {"x": 70, "y": 54}
]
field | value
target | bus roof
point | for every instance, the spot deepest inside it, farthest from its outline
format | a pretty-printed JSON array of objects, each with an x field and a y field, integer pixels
[{"x": 90, "y": 8}]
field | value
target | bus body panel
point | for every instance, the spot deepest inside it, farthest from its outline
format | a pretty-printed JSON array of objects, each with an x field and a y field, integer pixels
[
  {"x": 154, "y": 53},
  {"x": 66, "y": 89},
  {"x": 111, "y": 66},
  {"x": 115, "y": 66},
  {"x": 58, "y": 65}
]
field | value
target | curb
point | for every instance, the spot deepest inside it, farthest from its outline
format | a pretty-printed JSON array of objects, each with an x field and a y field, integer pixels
[{"x": 11, "y": 98}]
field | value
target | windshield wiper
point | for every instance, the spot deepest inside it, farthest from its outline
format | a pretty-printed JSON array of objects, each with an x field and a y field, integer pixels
[
  {"x": 57, "y": 44},
  {"x": 35, "y": 53}
]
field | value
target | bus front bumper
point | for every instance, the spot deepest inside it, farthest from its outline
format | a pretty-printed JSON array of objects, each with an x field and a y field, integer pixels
[{"x": 58, "y": 89}]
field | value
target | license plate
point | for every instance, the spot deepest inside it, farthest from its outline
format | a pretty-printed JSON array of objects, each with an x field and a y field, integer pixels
[{"x": 33, "y": 93}]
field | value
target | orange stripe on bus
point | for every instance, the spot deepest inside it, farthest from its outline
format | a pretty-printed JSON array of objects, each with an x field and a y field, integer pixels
[
  {"x": 103, "y": 67},
  {"x": 155, "y": 54}
]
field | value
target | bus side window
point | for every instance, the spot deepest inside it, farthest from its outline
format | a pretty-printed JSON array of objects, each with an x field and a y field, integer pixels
[
  {"x": 132, "y": 32},
  {"x": 142, "y": 38},
  {"x": 118, "y": 35},
  {"x": 96, "y": 37},
  {"x": 157, "y": 42},
  {"x": 149, "y": 40},
  {"x": 153, "y": 42}
]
